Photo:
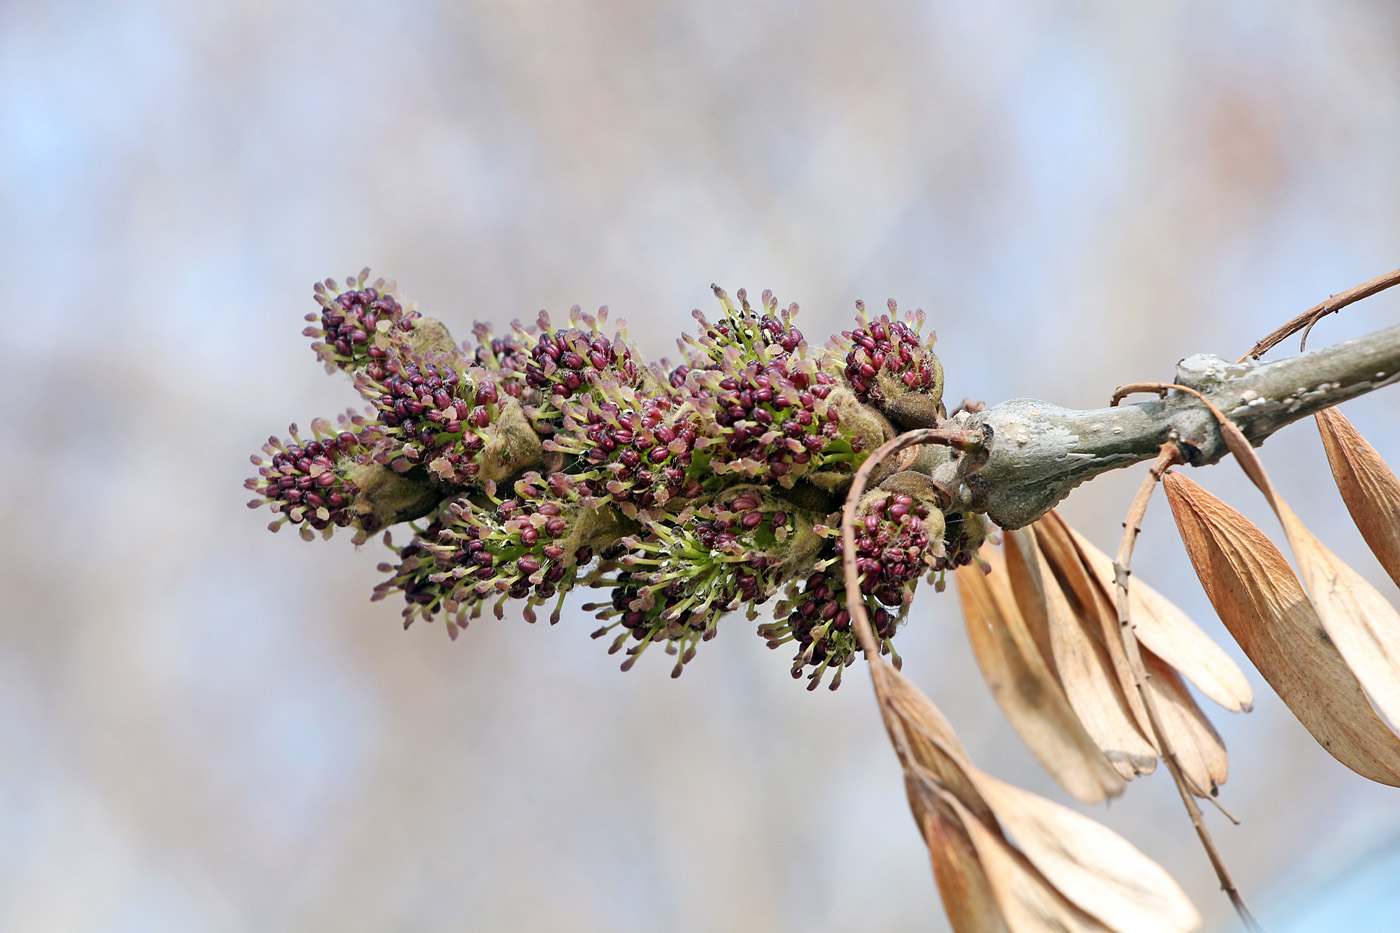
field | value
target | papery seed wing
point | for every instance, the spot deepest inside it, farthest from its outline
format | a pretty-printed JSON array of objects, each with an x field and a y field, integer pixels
[
  {"x": 1095, "y": 609},
  {"x": 1087, "y": 675},
  {"x": 1028, "y": 588},
  {"x": 1364, "y": 625},
  {"x": 1263, "y": 605},
  {"x": 916, "y": 724},
  {"x": 1170, "y": 634},
  {"x": 1368, "y": 487},
  {"x": 1199, "y": 749},
  {"x": 967, "y": 896},
  {"x": 1028, "y": 902},
  {"x": 1027, "y": 690},
  {"x": 1091, "y": 866}
]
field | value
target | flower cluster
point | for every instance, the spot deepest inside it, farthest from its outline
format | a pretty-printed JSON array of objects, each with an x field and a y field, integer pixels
[
  {"x": 744, "y": 331},
  {"x": 570, "y": 360},
  {"x": 308, "y": 483},
  {"x": 640, "y": 448},
  {"x": 890, "y": 366},
  {"x": 435, "y": 416},
  {"x": 677, "y": 580},
  {"x": 529, "y": 547},
  {"x": 358, "y": 323},
  {"x": 899, "y": 540},
  {"x": 776, "y": 421},
  {"x": 684, "y": 493},
  {"x": 505, "y": 358}
]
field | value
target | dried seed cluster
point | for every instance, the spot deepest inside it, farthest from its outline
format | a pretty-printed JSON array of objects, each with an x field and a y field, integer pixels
[{"x": 548, "y": 458}]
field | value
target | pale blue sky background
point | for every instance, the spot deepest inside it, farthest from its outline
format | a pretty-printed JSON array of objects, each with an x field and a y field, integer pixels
[{"x": 206, "y": 727}]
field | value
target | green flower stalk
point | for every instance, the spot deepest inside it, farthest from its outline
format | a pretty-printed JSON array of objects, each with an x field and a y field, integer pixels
[{"x": 752, "y": 335}]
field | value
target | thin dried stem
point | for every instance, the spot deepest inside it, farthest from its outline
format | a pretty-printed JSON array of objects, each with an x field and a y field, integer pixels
[
  {"x": 1317, "y": 312},
  {"x": 1132, "y": 526}
]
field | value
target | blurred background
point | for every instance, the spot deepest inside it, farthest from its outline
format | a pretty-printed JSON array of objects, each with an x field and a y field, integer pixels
[{"x": 207, "y": 727}]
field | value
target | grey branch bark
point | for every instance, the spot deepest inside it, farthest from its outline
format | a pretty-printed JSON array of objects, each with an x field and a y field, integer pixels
[{"x": 1039, "y": 451}]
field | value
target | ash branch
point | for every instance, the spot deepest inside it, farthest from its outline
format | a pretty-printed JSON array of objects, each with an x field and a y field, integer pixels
[{"x": 1039, "y": 452}]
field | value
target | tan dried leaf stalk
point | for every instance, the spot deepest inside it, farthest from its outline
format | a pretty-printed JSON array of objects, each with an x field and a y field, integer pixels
[{"x": 1169, "y": 454}]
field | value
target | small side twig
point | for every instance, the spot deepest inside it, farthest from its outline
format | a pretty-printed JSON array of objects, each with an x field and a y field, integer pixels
[
  {"x": 1317, "y": 312},
  {"x": 1170, "y": 455}
]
